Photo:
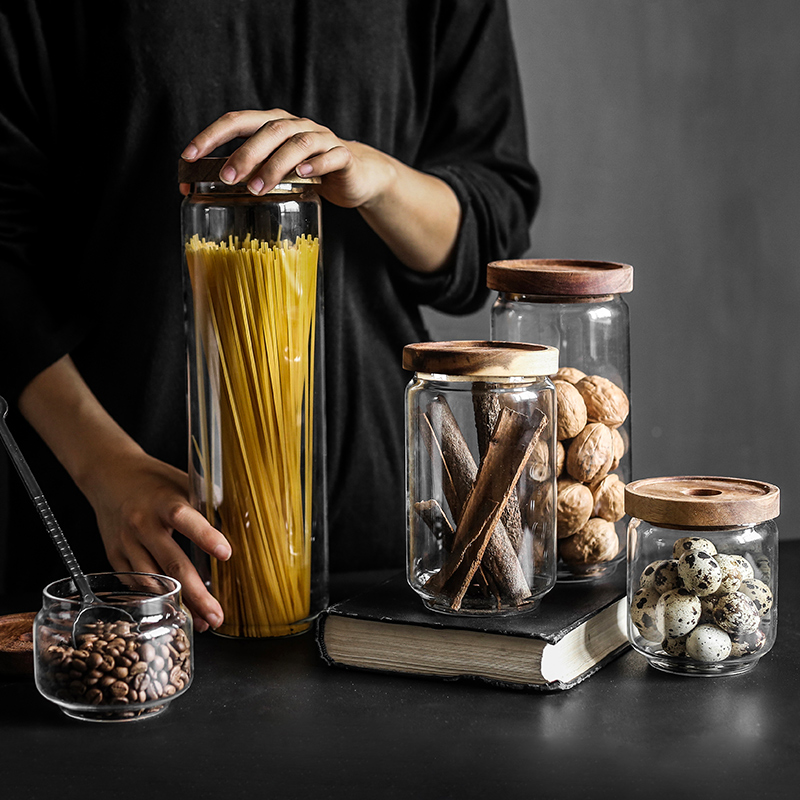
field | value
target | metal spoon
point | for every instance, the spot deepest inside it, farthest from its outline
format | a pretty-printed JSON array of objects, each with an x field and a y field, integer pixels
[{"x": 93, "y": 610}]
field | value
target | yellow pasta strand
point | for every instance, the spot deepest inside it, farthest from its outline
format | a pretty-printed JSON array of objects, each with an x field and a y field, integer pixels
[{"x": 255, "y": 329}]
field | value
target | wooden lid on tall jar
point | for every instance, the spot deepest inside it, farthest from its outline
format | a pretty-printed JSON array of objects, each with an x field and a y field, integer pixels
[
  {"x": 481, "y": 359},
  {"x": 559, "y": 277},
  {"x": 702, "y": 502}
]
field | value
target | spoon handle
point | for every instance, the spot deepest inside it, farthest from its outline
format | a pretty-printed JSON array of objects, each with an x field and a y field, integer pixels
[{"x": 45, "y": 512}]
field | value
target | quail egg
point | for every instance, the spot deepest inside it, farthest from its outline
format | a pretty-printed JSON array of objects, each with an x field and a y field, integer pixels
[
  {"x": 689, "y": 544},
  {"x": 747, "y": 644},
  {"x": 643, "y": 613},
  {"x": 707, "y": 604},
  {"x": 648, "y": 575},
  {"x": 708, "y": 643},
  {"x": 759, "y": 593},
  {"x": 736, "y": 613},
  {"x": 666, "y": 576},
  {"x": 732, "y": 573},
  {"x": 745, "y": 567},
  {"x": 674, "y": 646},
  {"x": 700, "y": 572},
  {"x": 677, "y": 612}
]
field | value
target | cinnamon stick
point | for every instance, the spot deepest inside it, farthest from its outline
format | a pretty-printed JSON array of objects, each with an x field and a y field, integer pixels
[
  {"x": 432, "y": 514},
  {"x": 507, "y": 452},
  {"x": 504, "y": 574},
  {"x": 486, "y": 406}
]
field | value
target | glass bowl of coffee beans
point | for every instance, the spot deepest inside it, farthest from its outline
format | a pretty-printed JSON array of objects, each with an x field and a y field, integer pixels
[{"x": 114, "y": 671}]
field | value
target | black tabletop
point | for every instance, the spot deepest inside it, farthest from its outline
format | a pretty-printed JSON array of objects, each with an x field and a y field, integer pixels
[{"x": 267, "y": 718}]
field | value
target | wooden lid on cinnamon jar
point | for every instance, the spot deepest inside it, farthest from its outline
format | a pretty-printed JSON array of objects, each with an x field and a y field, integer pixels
[
  {"x": 702, "y": 502},
  {"x": 559, "y": 277},
  {"x": 481, "y": 359}
]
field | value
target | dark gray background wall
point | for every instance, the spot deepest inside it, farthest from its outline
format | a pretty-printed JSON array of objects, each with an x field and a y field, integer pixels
[{"x": 666, "y": 134}]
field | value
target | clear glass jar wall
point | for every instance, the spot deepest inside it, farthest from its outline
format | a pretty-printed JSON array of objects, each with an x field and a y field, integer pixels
[
  {"x": 702, "y": 598},
  {"x": 480, "y": 515},
  {"x": 116, "y": 671},
  {"x": 256, "y": 399},
  {"x": 579, "y": 308}
]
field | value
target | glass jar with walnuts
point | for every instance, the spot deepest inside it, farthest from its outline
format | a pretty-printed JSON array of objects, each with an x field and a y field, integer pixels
[{"x": 579, "y": 307}]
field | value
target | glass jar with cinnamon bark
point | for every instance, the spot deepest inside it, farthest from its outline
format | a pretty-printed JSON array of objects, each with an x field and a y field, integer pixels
[
  {"x": 702, "y": 572},
  {"x": 579, "y": 308},
  {"x": 480, "y": 458}
]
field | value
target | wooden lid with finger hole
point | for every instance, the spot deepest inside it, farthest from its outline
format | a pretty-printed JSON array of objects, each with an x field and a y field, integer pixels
[{"x": 691, "y": 501}]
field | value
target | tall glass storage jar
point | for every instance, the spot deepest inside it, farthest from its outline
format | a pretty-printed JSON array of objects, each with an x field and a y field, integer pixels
[
  {"x": 480, "y": 450},
  {"x": 702, "y": 572},
  {"x": 253, "y": 286},
  {"x": 579, "y": 308}
]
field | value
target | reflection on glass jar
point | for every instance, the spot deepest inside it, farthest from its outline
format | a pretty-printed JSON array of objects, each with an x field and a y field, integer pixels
[
  {"x": 116, "y": 671},
  {"x": 578, "y": 307},
  {"x": 480, "y": 453},
  {"x": 702, "y": 573}
]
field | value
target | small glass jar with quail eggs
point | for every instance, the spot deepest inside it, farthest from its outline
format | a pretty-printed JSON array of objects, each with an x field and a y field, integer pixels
[{"x": 702, "y": 572}]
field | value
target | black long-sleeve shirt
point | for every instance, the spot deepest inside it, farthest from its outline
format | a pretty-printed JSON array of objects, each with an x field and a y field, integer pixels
[{"x": 97, "y": 102}]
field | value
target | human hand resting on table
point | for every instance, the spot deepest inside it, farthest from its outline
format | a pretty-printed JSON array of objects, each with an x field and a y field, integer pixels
[
  {"x": 416, "y": 214},
  {"x": 140, "y": 502}
]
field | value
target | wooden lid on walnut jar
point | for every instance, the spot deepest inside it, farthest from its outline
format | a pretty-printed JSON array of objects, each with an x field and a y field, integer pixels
[
  {"x": 702, "y": 502},
  {"x": 481, "y": 359},
  {"x": 559, "y": 277}
]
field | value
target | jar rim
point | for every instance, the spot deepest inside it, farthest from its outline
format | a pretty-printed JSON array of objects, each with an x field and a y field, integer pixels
[
  {"x": 562, "y": 277},
  {"x": 481, "y": 359},
  {"x": 700, "y": 501},
  {"x": 206, "y": 170},
  {"x": 172, "y": 585}
]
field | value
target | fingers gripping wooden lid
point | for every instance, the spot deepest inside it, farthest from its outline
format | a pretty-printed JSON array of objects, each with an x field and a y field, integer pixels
[
  {"x": 702, "y": 502},
  {"x": 481, "y": 359},
  {"x": 559, "y": 277},
  {"x": 206, "y": 170}
]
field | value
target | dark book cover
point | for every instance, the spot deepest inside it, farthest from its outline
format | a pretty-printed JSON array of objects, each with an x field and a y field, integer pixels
[{"x": 567, "y": 607}]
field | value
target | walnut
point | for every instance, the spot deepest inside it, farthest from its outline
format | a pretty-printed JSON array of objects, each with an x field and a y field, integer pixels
[
  {"x": 609, "y": 498},
  {"x": 596, "y": 541},
  {"x": 619, "y": 447},
  {"x": 540, "y": 507},
  {"x": 574, "y": 505},
  {"x": 570, "y": 412},
  {"x": 539, "y": 463},
  {"x": 605, "y": 401},
  {"x": 569, "y": 374},
  {"x": 561, "y": 454},
  {"x": 590, "y": 453}
]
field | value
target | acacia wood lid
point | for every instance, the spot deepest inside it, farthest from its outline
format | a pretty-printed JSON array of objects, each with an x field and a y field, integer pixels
[
  {"x": 702, "y": 502},
  {"x": 206, "y": 170},
  {"x": 481, "y": 359},
  {"x": 559, "y": 277}
]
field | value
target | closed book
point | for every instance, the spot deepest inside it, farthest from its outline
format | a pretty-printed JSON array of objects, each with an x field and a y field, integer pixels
[{"x": 575, "y": 630}]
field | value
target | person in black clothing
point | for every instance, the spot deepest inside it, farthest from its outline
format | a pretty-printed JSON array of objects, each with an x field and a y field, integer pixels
[{"x": 411, "y": 113}]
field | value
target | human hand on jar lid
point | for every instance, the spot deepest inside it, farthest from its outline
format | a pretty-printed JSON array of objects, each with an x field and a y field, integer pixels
[{"x": 279, "y": 143}]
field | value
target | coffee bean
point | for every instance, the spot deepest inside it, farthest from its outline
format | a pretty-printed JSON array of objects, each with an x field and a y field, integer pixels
[
  {"x": 94, "y": 661},
  {"x": 94, "y": 696},
  {"x": 114, "y": 666}
]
